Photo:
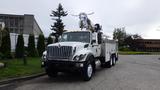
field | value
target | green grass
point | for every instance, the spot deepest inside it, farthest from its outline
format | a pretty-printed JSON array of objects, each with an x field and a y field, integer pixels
[
  {"x": 15, "y": 68},
  {"x": 138, "y": 53}
]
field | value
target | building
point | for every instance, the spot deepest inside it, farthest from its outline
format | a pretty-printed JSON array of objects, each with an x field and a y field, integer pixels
[
  {"x": 20, "y": 24},
  {"x": 151, "y": 45},
  {"x": 2, "y": 25}
]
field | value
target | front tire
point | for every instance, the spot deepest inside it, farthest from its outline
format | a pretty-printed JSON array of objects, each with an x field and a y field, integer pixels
[
  {"x": 51, "y": 73},
  {"x": 88, "y": 70}
]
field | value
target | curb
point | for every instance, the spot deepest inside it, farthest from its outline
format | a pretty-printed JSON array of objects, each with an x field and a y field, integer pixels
[{"x": 7, "y": 81}]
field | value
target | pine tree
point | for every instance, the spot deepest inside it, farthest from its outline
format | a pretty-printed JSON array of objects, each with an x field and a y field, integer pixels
[
  {"x": 41, "y": 45},
  {"x": 49, "y": 40},
  {"x": 32, "y": 52},
  {"x": 20, "y": 47},
  {"x": 58, "y": 26},
  {"x": 6, "y": 44}
]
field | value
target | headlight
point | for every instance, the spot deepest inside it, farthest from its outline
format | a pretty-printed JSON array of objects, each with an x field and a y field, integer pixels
[
  {"x": 44, "y": 57},
  {"x": 80, "y": 57},
  {"x": 76, "y": 58}
]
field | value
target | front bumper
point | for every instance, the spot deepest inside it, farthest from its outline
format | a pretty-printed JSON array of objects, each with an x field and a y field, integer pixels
[{"x": 63, "y": 65}]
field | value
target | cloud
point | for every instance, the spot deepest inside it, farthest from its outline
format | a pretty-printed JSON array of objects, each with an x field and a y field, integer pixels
[{"x": 138, "y": 16}]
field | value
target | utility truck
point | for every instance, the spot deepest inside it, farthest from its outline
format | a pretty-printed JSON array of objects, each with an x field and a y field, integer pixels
[{"x": 79, "y": 51}]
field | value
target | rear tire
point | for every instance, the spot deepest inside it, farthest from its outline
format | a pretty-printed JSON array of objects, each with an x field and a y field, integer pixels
[
  {"x": 106, "y": 64},
  {"x": 102, "y": 60},
  {"x": 113, "y": 60},
  {"x": 109, "y": 63},
  {"x": 116, "y": 57}
]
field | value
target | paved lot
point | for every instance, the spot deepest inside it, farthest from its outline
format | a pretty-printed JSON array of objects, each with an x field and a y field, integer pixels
[{"x": 134, "y": 72}]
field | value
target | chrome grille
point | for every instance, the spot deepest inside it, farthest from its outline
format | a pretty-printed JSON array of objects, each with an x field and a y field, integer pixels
[{"x": 55, "y": 52}]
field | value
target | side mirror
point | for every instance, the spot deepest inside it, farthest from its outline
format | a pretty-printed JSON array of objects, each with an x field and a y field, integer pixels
[
  {"x": 99, "y": 38},
  {"x": 85, "y": 46},
  {"x": 59, "y": 38},
  {"x": 93, "y": 41}
]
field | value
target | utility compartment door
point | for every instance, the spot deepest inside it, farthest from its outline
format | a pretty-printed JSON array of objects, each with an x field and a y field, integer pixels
[
  {"x": 108, "y": 48},
  {"x": 107, "y": 51}
]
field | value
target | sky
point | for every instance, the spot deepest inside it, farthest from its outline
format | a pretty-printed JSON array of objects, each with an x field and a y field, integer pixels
[{"x": 137, "y": 16}]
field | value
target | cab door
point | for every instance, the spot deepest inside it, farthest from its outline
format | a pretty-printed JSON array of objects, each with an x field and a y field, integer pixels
[{"x": 96, "y": 48}]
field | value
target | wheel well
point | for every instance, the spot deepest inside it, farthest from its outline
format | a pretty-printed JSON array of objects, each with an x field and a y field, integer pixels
[{"x": 89, "y": 56}]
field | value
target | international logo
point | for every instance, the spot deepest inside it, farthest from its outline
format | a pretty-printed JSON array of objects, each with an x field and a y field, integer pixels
[{"x": 59, "y": 46}]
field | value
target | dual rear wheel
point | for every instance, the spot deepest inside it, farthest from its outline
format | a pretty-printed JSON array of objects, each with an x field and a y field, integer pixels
[{"x": 110, "y": 63}]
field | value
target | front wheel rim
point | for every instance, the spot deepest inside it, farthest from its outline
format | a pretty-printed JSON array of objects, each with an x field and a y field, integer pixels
[{"x": 89, "y": 70}]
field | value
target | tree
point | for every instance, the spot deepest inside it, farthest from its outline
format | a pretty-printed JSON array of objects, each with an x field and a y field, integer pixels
[
  {"x": 58, "y": 26},
  {"x": 136, "y": 36},
  {"x": 130, "y": 41},
  {"x": 40, "y": 45},
  {"x": 32, "y": 52},
  {"x": 20, "y": 47},
  {"x": 49, "y": 40},
  {"x": 120, "y": 34},
  {"x": 125, "y": 41},
  {"x": 6, "y": 44}
]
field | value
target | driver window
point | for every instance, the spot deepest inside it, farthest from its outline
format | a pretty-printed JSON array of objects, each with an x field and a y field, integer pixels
[
  {"x": 94, "y": 36},
  {"x": 65, "y": 37}
]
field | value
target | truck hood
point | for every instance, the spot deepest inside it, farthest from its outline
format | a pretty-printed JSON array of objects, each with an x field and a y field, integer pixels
[{"x": 73, "y": 44}]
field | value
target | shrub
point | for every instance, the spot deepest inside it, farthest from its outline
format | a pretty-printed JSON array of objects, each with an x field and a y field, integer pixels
[
  {"x": 32, "y": 52},
  {"x": 6, "y": 44},
  {"x": 41, "y": 45},
  {"x": 1, "y": 55},
  {"x": 20, "y": 47}
]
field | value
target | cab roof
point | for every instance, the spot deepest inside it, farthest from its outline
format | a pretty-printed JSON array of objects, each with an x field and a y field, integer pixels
[{"x": 78, "y": 31}]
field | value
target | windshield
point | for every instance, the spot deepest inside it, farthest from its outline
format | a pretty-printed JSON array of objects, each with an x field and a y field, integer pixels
[{"x": 76, "y": 37}]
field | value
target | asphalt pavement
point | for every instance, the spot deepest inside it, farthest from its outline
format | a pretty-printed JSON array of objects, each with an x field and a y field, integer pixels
[{"x": 132, "y": 72}]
